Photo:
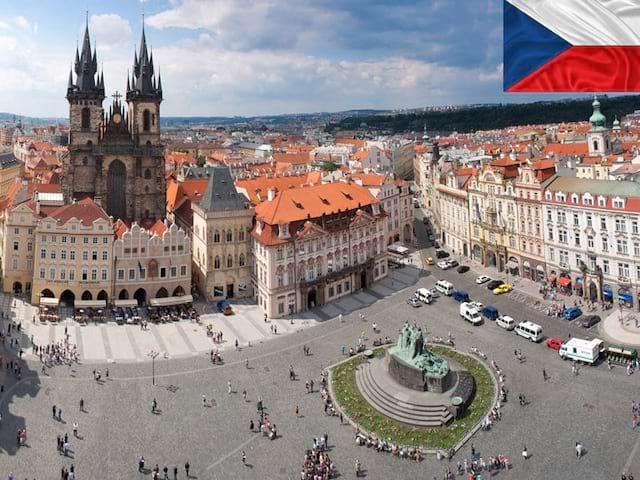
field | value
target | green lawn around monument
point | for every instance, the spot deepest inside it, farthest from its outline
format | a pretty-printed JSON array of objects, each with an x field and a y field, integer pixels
[{"x": 349, "y": 398}]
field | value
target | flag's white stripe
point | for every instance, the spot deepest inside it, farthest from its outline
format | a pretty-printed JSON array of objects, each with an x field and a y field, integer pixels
[{"x": 587, "y": 22}]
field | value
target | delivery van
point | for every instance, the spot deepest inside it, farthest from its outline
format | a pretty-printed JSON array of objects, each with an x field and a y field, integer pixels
[
  {"x": 529, "y": 330},
  {"x": 587, "y": 351},
  {"x": 506, "y": 322},
  {"x": 444, "y": 287},
  {"x": 424, "y": 295},
  {"x": 470, "y": 313}
]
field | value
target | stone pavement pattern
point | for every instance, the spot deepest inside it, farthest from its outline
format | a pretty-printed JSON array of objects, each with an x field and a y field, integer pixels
[{"x": 110, "y": 342}]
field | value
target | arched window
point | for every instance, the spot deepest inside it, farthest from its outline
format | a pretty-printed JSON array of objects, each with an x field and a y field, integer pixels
[
  {"x": 241, "y": 235},
  {"x": 146, "y": 121},
  {"x": 241, "y": 260},
  {"x": 229, "y": 261},
  {"x": 147, "y": 174},
  {"x": 595, "y": 145},
  {"x": 85, "y": 118},
  {"x": 216, "y": 237},
  {"x": 216, "y": 262},
  {"x": 229, "y": 236}
]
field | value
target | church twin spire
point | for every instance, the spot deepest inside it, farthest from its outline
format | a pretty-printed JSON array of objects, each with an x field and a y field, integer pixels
[
  {"x": 144, "y": 82},
  {"x": 88, "y": 80}
]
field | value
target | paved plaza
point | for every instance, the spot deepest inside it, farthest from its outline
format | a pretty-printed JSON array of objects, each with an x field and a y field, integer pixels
[{"x": 118, "y": 426}]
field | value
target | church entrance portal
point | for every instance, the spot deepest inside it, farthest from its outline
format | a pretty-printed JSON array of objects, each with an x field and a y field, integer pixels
[{"x": 116, "y": 193}]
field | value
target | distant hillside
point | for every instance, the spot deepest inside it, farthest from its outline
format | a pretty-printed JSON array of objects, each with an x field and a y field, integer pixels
[
  {"x": 6, "y": 117},
  {"x": 488, "y": 117}
]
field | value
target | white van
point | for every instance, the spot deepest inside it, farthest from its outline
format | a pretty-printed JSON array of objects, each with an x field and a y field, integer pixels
[
  {"x": 587, "y": 351},
  {"x": 470, "y": 313},
  {"x": 424, "y": 295},
  {"x": 398, "y": 249},
  {"x": 506, "y": 322},
  {"x": 529, "y": 330},
  {"x": 444, "y": 287}
]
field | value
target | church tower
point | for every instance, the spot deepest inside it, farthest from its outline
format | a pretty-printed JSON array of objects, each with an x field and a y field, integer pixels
[
  {"x": 117, "y": 158},
  {"x": 85, "y": 96},
  {"x": 598, "y": 136}
]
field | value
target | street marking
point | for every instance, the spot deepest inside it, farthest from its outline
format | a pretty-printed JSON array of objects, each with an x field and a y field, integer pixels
[
  {"x": 634, "y": 450},
  {"x": 233, "y": 452}
]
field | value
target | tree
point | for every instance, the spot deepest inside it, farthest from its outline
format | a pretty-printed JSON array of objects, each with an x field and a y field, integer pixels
[
  {"x": 329, "y": 166},
  {"x": 201, "y": 160}
]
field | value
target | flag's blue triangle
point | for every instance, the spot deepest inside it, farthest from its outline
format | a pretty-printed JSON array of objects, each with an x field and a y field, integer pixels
[{"x": 528, "y": 45}]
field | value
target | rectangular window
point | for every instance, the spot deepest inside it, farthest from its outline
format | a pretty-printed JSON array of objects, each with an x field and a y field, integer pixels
[
  {"x": 132, "y": 274},
  {"x": 552, "y": 254},
  {"x": 72, "y": 255},
  {"x": 85, "y": 256},
  {"x": 143, "y": 273},
  {"x": 63, "y": 254},
  {"x": 578, "y": 260},
  {"x": 15, "y": 246},
  {"x": 53, "y": 254},
  {"x": 42, "y": 273},
  {"x": 346, "y": 286},
  {"x": 14, "y": 263},
  {"x": 589, "y": 220},
  {"x": 64, "y": 239},
  {"x": 73, "y": 240},
  {"x": 52, "y": 274},
  {"x": 623, "y": 270},
  {"x": 603, "y": 223},
  {"x": 94, "y": 255},
  {"x": 95, "y": 240},
  {"x": 281, "y": 308},
  {"x": 163, "y": 272},
  {"x": 72, "y": 274},
  {"x": 105, "y": 255},
  {"x": 576, "y": 220},
  {"x": 63, "y": 274},
  {"x": 183, "y": 270},
  {"x": 29, "y": 246},
  {"x": 634, "y": 227},
  {"x": 43, "y": 253},
  {"x": 605, "y": 266},
  {"x": 85, "y": 240},
  {"x": 577, "y": 238},
  {"x": 94, "y": 274},
  {"x": 120, "y": 274},
  {"x": 622, "y": 247},
  {"x": 104, "y": 274},
  {"x": 174, "y": 272},
  {"x": 16, "y": 231},
  {"x": 621, "y": 225}
]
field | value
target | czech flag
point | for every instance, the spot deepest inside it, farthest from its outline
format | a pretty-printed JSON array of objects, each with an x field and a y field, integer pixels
[{"x": 572, "y": 45}]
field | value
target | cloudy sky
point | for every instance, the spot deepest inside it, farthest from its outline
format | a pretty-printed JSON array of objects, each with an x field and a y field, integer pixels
[{"x": 253, "y": 57}]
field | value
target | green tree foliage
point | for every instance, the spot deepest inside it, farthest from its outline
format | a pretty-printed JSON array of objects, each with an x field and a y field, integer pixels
[{"x": 490, "y": 117}]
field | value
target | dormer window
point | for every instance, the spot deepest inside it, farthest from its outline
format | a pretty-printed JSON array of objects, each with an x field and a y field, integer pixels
[
  {"x": 618, "y": 202},
  {"x": 587, "y": 199},
  {"x": 259, "y": 228},
  {"x": 574, "y": 198},
  {"x": 549, "y": 195},
  {"x": 561, "y": 197},
  {"x": 602, "y": 201},
  {"x": 283, "y": 230}
]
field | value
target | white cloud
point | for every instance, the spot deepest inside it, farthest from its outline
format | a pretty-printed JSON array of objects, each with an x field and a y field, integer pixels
[
  {"x": 22, "y": 22},
  {"x": 109, "y": 31},
  {"x": 200, "y": 78}
]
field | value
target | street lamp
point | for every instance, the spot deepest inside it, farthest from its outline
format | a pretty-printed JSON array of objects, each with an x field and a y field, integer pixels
[{"x": 153, "y": 354}]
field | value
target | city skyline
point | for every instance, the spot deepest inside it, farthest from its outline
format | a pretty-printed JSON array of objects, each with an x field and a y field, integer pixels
[{"x": 219, "y": 57}]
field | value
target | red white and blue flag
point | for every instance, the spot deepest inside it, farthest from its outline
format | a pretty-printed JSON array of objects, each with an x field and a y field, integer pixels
[{"x": 572, "y": 45}]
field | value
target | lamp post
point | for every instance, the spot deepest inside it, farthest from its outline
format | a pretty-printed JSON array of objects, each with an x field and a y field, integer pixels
[{"x": 153, "y": 354}]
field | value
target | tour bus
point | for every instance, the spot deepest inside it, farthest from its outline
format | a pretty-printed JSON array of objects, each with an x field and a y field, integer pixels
[
  {"x": 444, "y": 287},
  {"x": 529, "y": 330}
]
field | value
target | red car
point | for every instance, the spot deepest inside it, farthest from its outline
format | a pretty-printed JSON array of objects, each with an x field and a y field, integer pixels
[{"x": 555, "y": 343}]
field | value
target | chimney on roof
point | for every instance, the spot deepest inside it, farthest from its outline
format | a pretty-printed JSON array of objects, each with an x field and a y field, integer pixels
[{"x": 271, "y": 194}]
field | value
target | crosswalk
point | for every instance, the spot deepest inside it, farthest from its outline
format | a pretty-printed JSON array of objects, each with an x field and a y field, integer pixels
[{"x": 110, "y": 342}]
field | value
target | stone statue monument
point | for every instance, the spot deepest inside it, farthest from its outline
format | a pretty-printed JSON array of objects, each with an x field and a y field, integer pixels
[{"x": 413, "y": 365}]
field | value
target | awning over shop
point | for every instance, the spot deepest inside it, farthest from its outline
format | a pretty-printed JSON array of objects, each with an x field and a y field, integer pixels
[
  {"x": 512, "y": 264},
  {"x": 169, "y": 301},
  {"x": 90, "y": 303},
  {"x": 49, "y": 301},
  {"x": 625, "y": 297},
  {"x": 126, "y": 303},
  {"x": 564, "y": 281},
  {"x": 607, "y": 293}
]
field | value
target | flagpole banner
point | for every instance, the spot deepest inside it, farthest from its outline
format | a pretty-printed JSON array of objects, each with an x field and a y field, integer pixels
[{"x": 571, "y": 45}]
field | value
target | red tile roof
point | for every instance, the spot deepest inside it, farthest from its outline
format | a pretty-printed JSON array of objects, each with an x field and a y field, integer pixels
[
  {"x": 256, "y": 188},
  {"x": 86, "y": 210},
  {"x": 292, "y": 158},
  {"x": 312, "y": 202}
]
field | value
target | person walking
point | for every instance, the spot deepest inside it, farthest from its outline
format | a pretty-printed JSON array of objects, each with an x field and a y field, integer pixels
[
  {"x": 579, "y": 449},
  {"x": 204, "y": 400},
  {"x": 82, "y": 405},
  {"x": 244, "y": 394},
  {"x": 141, "y": 464},
  {"x": 228, "y": 387},
  {"x": 297, "y": 411},
  {"x": 244, "y": 458},
  {"x": 175, "y": 473},
  {"x": 544, "y": 374},
  {"x": 75, "y": 429},
  {"x": 186, "y": 469},
  {"x": 525, "y": 452}
]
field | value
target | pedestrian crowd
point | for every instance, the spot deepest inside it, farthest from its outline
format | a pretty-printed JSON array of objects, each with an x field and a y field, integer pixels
[
  {"x": 317, "y": 465},
  {"x": 381, "y": 445}
]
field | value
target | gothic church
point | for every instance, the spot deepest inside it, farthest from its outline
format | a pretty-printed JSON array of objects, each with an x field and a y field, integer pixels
[{"x": 117, "y": 157}]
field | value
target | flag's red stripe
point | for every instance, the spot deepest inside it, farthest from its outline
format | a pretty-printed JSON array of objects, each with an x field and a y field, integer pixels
[{"x": 586, "y": 69}]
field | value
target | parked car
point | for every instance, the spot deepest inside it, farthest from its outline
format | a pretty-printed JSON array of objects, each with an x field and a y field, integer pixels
[
  {"x": 429, "y": 261},
  {"x": 494, "y": 284},
  {"x": 453, "y": 263},
  {"x": 444, "y": 265},
  {"x": 460, "y": 296},
  {"x": 506, "y": 322},
  {"x": 589, "y": 321},
  {"x": 463, "y": 269},
  {"x": 441, "y": 254},
  {"x": 224, "y": 307},
  {"x": 555, "y": 343},
  {"x": 490, "y": 312},
  {"x": 482, "y": 279},
  {"x": 436, "y": 243},
  {"x": 504, "y": 288},
  {"x": 414, "y": 302},
  {"x": 571, "y": 313}
]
